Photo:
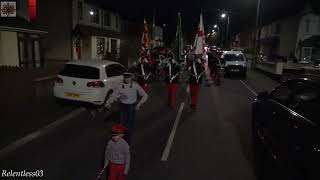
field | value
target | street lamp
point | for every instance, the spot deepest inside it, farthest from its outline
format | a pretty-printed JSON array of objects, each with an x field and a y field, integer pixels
[
  {"x": 217, "y": 27},
  {"x": 223, "y": 16},
  {"x": 91, "y": 13}
]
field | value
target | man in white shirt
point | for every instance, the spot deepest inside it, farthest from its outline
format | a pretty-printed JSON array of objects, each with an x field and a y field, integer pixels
[{"x": 127, "y": 95}]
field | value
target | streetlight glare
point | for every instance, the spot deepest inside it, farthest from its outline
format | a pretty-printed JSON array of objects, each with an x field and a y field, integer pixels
[
  {"x": 223, "y": 15},
  {"x": 91, "y": 13},
  {"x": 215, "y": 26}
]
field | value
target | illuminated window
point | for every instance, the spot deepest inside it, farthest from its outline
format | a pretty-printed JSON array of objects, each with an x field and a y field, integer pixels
[{"x": 100, "y": 45}]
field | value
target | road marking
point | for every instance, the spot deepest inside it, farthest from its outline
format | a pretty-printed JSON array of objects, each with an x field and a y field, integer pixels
[
  {"x": 253, "y": 92},
  {"x": 23, "y": 141},
  {"x": 166, "y": 151}
]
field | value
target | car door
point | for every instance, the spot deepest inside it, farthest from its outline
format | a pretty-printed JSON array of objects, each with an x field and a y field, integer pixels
[
  {"x": 277, "y": 132},
  {"x": 304, "y": 129}
]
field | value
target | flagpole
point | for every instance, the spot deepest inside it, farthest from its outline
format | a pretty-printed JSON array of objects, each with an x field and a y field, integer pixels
[
  {"x": 153, "y": 29},
  {"x": 179, "y": 24}
]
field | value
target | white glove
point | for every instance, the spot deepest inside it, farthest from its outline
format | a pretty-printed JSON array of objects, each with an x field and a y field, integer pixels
[
  {"x": 107, "y": 105},
  {"x": 138, "y": 107}
]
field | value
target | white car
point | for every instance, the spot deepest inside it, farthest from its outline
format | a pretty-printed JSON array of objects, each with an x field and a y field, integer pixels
[
  {"x": 235, "y": 62},
  {"x": 88, "y": 81}
]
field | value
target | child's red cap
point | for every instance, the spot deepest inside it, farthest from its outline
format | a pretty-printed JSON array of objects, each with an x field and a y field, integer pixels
[{"x": 118, "y": 128}]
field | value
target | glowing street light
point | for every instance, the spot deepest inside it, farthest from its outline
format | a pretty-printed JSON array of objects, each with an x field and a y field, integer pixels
[
  {"x": 215, "y": 26},
  {"x": 91, "y": 13},
  {"x": 224, "y": 16}
]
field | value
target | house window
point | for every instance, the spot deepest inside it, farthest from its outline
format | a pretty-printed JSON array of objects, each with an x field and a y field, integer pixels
[
  {"x": 107, "y": 20},
  {"x": 306, "y": 54},
  {"x": 100, "y": 45},
  {"x": 307, "y": 25},
  {"x": 117, "y": 21},
  {"x": 278, "y": 28},
  {"x": 94, "y": 16},
  {"x": 80, "y": 10}
]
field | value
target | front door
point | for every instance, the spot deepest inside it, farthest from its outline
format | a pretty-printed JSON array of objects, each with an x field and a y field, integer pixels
[{"x": 114, "y": 49}]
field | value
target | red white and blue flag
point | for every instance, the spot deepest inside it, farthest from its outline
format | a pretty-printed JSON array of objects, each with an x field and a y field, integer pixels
[
  {"x": 199, "y": 42},
  {"x": 145, "y": 36}
]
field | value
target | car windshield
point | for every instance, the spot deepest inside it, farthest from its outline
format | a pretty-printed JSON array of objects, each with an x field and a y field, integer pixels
[
  {"x": 233, "y": 57},
  {"x": 79, "y": 71}
]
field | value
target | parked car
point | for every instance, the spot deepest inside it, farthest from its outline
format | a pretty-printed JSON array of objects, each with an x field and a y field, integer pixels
[
  {"x": 88, "y": 81},
  {"x": 285, "y": 124},
  {"x": 235, "y": 62}
]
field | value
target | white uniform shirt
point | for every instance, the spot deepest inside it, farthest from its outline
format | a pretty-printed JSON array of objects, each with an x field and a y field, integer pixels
[{"x": 128, "y": 94}]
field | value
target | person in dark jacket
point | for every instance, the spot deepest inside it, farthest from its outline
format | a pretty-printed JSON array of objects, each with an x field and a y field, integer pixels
[
  {"x": 196, "y": 71},
  {"x": 213, "y": 67},
  {"x": 172, "y": 75}
]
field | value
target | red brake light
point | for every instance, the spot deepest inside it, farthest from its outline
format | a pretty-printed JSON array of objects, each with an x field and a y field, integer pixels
[
  {"x": 96, "y": 84},
  {"x": 59, "y": 80}
]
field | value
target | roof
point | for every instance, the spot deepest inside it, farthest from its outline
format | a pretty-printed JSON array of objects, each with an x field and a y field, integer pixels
[
  {"x": 232, "y": 52},
  {"x": 92, "y": 63},
  {"x": 83, "y": 30},
  {"x": 314, "y": 80},
  {"x": 18, "y": 24},
  {"x": 313, "y": 41}
]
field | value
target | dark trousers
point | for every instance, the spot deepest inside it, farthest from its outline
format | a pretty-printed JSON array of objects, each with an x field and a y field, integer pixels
[
  {"x": 172, "y": 93},
  {"x": 194, "y": 91},
  {"x": 127, "y": 118}
]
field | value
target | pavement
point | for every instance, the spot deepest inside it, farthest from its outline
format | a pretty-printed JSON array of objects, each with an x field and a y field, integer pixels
[{"x": 213, "y": 142}]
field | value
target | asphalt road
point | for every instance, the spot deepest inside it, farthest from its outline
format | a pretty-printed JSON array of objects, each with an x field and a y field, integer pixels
[{"x": 213, "y": 142}]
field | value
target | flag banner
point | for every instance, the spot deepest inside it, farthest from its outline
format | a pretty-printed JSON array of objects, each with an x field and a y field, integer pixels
[{"x": 199, "y": 43}]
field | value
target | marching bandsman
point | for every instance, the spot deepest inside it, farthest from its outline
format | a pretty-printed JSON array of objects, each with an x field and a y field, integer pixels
[
  {"x": 172, "y": 76},
  {"x": 127, "y": 95},
  {"x": 196, "y": 70},
  {"x": 143, "y": 72}
]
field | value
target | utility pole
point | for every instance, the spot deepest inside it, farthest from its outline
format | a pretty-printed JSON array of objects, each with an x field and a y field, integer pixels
[{"x": 255, "y": 36}]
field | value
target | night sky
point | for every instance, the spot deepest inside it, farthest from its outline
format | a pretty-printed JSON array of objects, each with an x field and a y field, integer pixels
[{"x": 243, "y": 12}]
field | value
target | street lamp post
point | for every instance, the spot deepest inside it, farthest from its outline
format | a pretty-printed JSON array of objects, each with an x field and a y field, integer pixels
[
  {"x": 255, "y": 36},
  {"x": 217, "y": 27},
  {"x": 223, "y": 16}
]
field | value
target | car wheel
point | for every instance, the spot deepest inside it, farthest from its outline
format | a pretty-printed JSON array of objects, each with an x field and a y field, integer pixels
[
  {"x": 60, "y": 101},
  {"x": 244, "y": 75}
]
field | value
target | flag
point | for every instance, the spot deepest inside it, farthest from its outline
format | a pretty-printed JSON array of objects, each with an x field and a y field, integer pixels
[
  {"x": 145, "y": 36},
  {"x": 179, "y": 39},
  {"x": 199, "y": 42}
]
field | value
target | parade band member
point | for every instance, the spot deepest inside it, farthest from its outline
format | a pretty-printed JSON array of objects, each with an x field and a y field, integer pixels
[
  {"x": 213, "y": 67},
  {"x": 173, "y": 70},
  {"x": 117, "y": 154},
  {"x": 196, "y": 71},
  {"x": 143, "y": 73},
  {"x": 127, "y": 94}
]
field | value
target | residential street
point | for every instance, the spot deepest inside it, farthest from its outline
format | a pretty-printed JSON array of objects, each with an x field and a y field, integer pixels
[{"x": 213, "y": 142}]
